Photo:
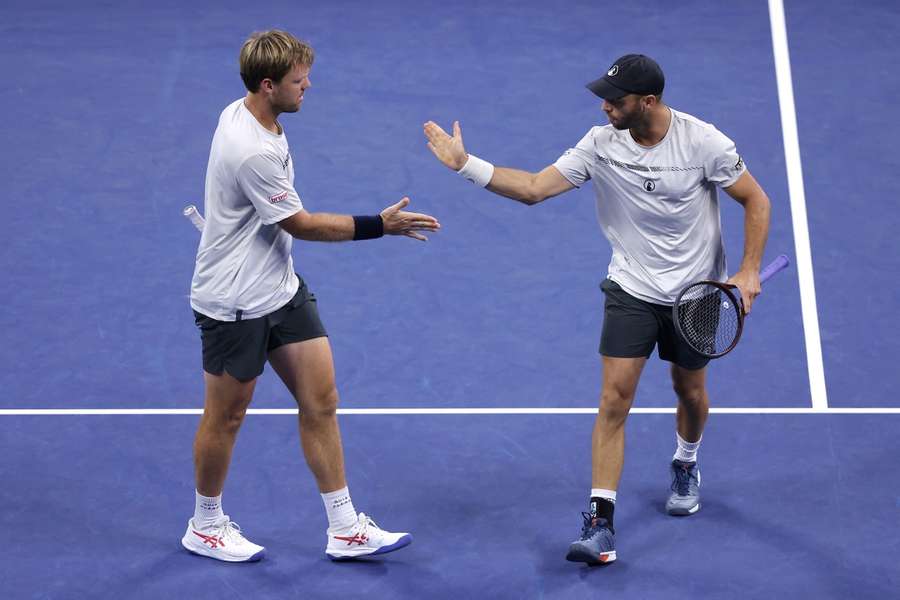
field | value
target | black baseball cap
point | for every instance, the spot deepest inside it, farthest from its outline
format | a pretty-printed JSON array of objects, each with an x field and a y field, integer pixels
[{"x": 630, "y": 74}]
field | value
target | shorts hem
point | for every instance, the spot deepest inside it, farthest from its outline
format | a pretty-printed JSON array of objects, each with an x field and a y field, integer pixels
[
  {"x": 687, "y": 367},
  {"x": 297, "y": 341},
  {"x": 621, "y": 355}
]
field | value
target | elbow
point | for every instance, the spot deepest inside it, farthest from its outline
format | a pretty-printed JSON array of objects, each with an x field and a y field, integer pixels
[
  {"x": 532, "y": 199},
  {"x": 291, "y": 228},
  {"x": 296, "y": 225},
  {"x": 763, "y": 204},
  {"x": 532, "y": 195}
]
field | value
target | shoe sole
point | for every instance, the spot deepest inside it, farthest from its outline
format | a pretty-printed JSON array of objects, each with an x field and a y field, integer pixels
[
  {"x": 403, "y": 542},
  {"x": 254, "y": 558},
  {"x": 581, "y": 555},
  {"x": 682, "y": 512}
]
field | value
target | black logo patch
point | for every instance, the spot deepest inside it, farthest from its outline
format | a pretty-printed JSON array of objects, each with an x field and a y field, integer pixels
[
  {"x": 739, "y": 165},
  {"x": 649, "y": 185}
]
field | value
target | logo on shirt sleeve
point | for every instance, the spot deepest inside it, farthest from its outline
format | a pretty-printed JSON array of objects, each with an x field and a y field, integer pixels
[
  {"x": 276, "y": 198},
  {"x": 739, "y": 165}
]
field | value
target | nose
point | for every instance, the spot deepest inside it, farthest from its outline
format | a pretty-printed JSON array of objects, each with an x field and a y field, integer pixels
[{"x": 606, "y": 107}]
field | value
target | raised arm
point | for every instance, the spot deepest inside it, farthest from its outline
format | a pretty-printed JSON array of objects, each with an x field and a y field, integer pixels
[
  {"x": 326, "y": 227},
  {"x": 523, "y": 186},
  {"x": 756, "y": 205}
]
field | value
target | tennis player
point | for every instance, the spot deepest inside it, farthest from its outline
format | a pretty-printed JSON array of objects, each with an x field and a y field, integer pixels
[
  {"x": 655, "y": 172},
  {"x": 251, "y": 307}
]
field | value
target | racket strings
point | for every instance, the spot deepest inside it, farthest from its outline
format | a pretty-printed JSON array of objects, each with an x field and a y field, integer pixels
[{"x": 708, "y": 318}]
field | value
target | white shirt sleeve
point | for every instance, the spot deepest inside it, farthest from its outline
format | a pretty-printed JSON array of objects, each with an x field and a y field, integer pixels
[
  {"x": 575, "y": 162},
  {"x": 265, "y": 182},
  {"x": 723, "y": 164}
]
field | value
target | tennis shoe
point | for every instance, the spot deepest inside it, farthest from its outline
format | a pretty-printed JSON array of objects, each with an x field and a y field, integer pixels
[
  {"x": 685, "y": 497},
  {"x": 597, "y": 544},
  {"x": 364, "y": 538},
  {"x": 223, "y": 540}
]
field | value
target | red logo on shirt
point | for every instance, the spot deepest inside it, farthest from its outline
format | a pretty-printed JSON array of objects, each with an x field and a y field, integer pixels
[{"x": 276, "y": 198}]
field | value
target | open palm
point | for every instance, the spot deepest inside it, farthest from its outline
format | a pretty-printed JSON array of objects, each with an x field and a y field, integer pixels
[{"x": 449, "y": 150}]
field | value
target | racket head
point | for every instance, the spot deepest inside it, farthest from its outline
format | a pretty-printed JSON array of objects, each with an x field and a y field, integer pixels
[{"x": 709, "y": 317}]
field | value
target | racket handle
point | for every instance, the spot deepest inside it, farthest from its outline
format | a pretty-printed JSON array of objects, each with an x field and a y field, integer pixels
[
  {"x": 780, "y": 263},
  {"x": 194, "y": 216}
]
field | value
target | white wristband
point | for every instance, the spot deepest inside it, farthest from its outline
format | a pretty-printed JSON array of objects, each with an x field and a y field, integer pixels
[{"x": 477, "y": 171}]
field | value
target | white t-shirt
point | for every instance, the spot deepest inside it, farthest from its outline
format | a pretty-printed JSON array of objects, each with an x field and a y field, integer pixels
[
  {"x": 658, "y": 206},
  {"x": 244, "y": 258}
]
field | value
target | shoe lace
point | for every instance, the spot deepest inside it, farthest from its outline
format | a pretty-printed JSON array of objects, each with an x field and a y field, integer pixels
[
  {"x": 229, "y": 530},
  {"x": 591, "y": 525},
  {"x": 365, "y": 522},
  {"x": 681, "y": 484}
]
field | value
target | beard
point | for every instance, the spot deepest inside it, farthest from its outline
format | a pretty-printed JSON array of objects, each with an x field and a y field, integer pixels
[{"x": 636, "y": 119}]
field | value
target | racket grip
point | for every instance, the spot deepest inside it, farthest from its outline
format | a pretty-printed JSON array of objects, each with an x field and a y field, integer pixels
[
  {"x": 194, "y": 216},
  {"x": 780, "y": 263}
]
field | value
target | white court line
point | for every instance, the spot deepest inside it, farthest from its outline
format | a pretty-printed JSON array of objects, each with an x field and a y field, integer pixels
[
  {"x": 448, "y": 411},
  {"x": 798, "y": 206}
]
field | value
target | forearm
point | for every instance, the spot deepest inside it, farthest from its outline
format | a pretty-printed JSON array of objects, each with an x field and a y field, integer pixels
[
  {"x": 756, "y": 230},
  {"x": 515, "y": 184},
  {"x": 327, "y": 227},
  {"x": 522, "y": 186}
]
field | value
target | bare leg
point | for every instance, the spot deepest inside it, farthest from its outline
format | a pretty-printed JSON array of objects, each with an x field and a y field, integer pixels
[
  {"x": 224, "y": 407},
  {"x": 620, "y": 379},
  {"x": 307, "y": 369},
  {"x": 693, "y": 402}
]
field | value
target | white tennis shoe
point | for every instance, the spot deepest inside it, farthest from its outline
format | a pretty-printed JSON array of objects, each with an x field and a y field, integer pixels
[
  {"x": 364, "y": 538},
  {"x": 222, "y": 540}
]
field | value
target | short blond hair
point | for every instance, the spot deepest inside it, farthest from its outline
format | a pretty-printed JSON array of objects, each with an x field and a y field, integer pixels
[{"x": 270, "y": 55}]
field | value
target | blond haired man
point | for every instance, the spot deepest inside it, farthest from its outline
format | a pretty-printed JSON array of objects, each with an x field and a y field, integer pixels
[{"x": 251, "y": 307}]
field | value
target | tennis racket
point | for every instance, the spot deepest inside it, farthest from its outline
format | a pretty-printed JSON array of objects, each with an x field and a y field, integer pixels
[
  {"x": 709, "y": 315},
  {"x": 194, "y": 216}
]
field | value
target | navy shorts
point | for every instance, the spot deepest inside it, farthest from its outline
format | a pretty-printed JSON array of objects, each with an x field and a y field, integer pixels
[
  {"x": 241, "y": 348},
  {"x": 632, "y": 327}
]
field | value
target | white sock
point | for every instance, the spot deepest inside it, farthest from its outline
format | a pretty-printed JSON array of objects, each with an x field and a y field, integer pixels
[
  {"x": 207, "y": 509},
  {"x": 686, "y": 451},
  {"x": 339, "y": 508},
  {"x": 605, "y": 494}
]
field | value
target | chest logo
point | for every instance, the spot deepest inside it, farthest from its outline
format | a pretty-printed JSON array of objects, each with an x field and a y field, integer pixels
[{"x": 649, "y": 185}]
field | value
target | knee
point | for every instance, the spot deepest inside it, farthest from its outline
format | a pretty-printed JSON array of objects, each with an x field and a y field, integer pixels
[
  {"x": 321, "y": 404},
  {"x": 227, "y": 421},
  {"x": 614, "y": 407},
  {"x": 693, "y": 395}
]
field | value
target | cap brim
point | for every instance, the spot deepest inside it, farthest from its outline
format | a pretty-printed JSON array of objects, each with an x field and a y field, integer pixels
[{"x": 606, "y": 90}]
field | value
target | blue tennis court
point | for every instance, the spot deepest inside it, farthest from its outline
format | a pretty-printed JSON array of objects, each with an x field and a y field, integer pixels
[{"x": 467, "y": 366}]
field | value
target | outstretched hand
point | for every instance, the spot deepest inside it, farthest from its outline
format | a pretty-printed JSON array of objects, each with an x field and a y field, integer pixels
[
  {"x": 400, "y": 222},
  {"x": 449, "y": 150}
]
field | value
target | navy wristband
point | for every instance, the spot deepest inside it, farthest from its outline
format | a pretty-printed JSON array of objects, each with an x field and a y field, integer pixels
[{"x": 367, "y": 228}]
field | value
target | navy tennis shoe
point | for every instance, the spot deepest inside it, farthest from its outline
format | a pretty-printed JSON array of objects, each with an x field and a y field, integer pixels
[
  {"x": 597, "y": 544},
  {"x": 685, "y": 497}
]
